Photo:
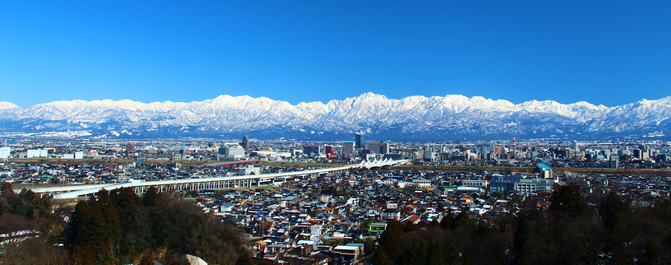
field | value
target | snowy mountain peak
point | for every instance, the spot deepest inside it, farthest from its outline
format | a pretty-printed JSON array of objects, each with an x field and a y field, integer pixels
[
  {"x": 436, "y": 117},
  {"x": 7, "y": 105}
]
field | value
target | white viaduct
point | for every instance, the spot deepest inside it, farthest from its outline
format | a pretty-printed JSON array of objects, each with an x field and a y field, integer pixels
[{"x": 213, "y": 183}]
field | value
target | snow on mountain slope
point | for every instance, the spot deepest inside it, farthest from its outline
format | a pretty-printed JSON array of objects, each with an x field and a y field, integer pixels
[
  {"x": 644, "y": 113},
  {"x": 452, "y": 114},
  {"x": 7, "y": 105}
]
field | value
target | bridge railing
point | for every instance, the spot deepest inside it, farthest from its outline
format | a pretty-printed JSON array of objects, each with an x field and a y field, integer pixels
[{"x": 78, "y": 190}]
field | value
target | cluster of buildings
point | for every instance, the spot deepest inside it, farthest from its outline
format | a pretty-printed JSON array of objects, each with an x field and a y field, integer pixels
[
  {"x": 330, "y": 218},
  {"x": 652, "y": 154}
]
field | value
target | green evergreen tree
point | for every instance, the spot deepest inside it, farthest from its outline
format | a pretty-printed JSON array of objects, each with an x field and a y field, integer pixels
[
  {"x": 127, "y": 204},
  {"x": 568, "y": 199},
  {"x": 434, "y": 223},
  {"x": 652, "y": 253},
  {"x": 111, "y": 228},
  {"x": 244, "y": 259},
  {"x": 417, "y": 255},
  {"x": 409, "y": 227},
  {"x": 380, "y": 257},
  {"x": 81, "y": 223},
  {"x": 389, "y": 241},
  {"x": 435, "y": 254},
  {"x": 369, "y": 246},
  {"x": 151, "y": 196},
  {"x": 7, "y": 198},
  {"x": 85, "y": 255},
  {"x": 463, "y": 221},
  {"x": 448, "y": 222},
  {"x": 522, "y": 236},
  {"x": 29, "y": 205},
  {"x": 613, "y": 210}
]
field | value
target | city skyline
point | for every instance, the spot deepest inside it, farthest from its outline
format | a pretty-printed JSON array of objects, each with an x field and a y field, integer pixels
[{"x": 602, "y": 53}]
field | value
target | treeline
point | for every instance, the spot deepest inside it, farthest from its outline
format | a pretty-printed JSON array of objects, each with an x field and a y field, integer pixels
[
  {"x": 119, "y": 227},
  {"x": 570, "y": 230},
  {"x": 116, "y": 227},
  {"x": 39, "y": 228}
]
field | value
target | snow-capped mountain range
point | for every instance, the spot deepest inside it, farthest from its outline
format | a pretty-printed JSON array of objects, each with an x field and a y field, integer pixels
[{"x": 416, "y": 118}]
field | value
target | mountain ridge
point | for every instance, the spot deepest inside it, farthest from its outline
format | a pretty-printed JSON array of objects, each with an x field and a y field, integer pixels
[{"x": 450, "y": 117}]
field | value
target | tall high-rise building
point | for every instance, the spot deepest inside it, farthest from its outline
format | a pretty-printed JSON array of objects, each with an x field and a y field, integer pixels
[
  {"x": 373, "y": 146},
  {"x": 484, "y": 148},
  {"x": 360, "y": 139},
  {"x": 245, "y": 142},
  {"x": 384, "y": 148},
  {"x": 348, "y": 147}
]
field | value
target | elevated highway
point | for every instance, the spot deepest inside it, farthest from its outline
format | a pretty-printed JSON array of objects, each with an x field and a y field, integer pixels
[{"x": 212, "y": 183}]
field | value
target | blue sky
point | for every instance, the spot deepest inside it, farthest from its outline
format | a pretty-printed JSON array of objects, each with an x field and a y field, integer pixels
[{"x": 603, "y": 52}]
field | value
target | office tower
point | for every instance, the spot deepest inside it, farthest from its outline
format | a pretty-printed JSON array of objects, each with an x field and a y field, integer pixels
[
  {"x": 373, "y": 146},
  {"x": 360, "y": 139},
  {"x": 348, "y": 147},
  {"x": 384, "y": 148}
]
